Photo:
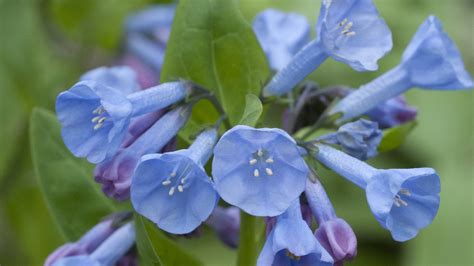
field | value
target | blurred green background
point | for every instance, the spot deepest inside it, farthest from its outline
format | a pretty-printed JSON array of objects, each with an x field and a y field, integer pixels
[{"x": 46, "y": 45}]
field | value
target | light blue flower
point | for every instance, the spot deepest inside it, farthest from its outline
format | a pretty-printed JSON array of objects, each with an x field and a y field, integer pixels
[
  {"x": 291, "y": 242},
  {"x": 173, "y": 189},
  {"x": 151, "y": 18},
  {"x": 334, "y": 233},
  {"x": 349, "y": 31},
  {"x": 393, "y": 112},
  {"x": 115, "y": 174},
  {"x": 95, "y": 117},
  {"x": 403, "y": 200},
  {"x": 148, "y": 51},
  {"x": 431, "y": 61},
  {"x": 121, "y": 78},
  {"x": 258, "y": 170},
  {"x": 281, "y": 35},
  {"x": 359, "y": 139},
  {"x": 108, "y": 253}
]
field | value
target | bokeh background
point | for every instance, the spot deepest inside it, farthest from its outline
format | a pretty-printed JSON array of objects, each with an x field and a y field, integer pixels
[{"x": 46, "y": 45}]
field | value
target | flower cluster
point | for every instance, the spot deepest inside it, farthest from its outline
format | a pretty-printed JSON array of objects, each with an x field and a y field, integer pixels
[{"x": 126, "y": 125}]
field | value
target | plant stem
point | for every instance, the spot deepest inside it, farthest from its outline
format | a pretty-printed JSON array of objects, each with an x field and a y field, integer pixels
[{"x": 247, "y": 252}]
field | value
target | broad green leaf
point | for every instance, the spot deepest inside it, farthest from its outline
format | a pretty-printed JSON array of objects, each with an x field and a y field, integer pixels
[
  {"x": 213, "y": 45},
  {"x": 155, "y": 248},
  {"x": 252, "y": 112},
  {"x": 73, "y": 198},
  {"x": 395, "y": 136}
]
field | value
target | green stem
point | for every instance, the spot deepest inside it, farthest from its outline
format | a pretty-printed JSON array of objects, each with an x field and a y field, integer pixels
[{"x": 247, "y": 252}]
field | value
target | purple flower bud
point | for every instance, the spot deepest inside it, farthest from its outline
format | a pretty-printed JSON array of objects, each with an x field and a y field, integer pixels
[
  {"x": 337, "y": 237},
  {"x": 393, "y": 112},
  {"x": 226, "y": 223}
]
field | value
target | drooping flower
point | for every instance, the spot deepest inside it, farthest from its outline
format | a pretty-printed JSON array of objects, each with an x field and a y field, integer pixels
[
  {"x": 359, "y": 139},
  {"x": 334, "y": 233},
  {"x": 431, "y": 61},
  {"x": 116, "y": 173},
  {"x": 403, "y": 200},
  {"x": 95, "y": 117},
  {"x": 281, "y": 35},
  {"x": 258, "y": 170},
  {"x": 291, "y": 242},
  {"x": 108, "y": 252},
  {"x": 226, "y": 223},
  {"x": 179, "y": 184},
  {"x": 349, "y": 31},
  {"x": 393, "y": 112},
  {"x": 122, "y": 78}
]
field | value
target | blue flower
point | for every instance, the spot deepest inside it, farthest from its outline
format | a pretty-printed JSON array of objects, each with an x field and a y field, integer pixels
[
  {"x": 151, "y": 18},
  {"x": 349, "y": 31},
  {"x": 281, "y": 35},
  {"x": 116, "y": 173},
  {"x": 403, "y": 200},
  {"x": 146, "y": 50},
  {"x": 359, "y": 139},
  {"x": 258, "y": 170},
  {"x": 108, "y": 253},
  {"x": 178, "y": 183},
  {"x": 334, "y": 234},
  {"x": 431, "y": 61},
  {"x": 121, "y": 78},
  {"x": 226, "y": 223},
  {"x": 95, "y": 117},
  {"x": 393, "y": 112},
  {"x": 291, "y": 242}
]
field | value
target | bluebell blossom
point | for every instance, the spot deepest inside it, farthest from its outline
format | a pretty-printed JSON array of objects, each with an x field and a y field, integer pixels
[
  {"x": 116, "y": 173},
  {"x": 402, "y": 200},
  {"x": 226, "y": 223},
  {"x": 108, "y": 253},
  {"x": 393, "y": 112},
  {"x": 151, "y": 18},
  {"x": 431, "y": 61},
  {"x": 258, "y": 170},
  {"x": 146, "y": 75},
  {"x": 122, "y": 78},
  {"x": 334, "y": 233},
  {"x": 359, "y": 139},
  {"x": 95, "y": 117},
  {"x": 349, "y": 31},
  {"x": 281, "y": 35},
  {"x": 179, "y": 184},
  {"x": 148, "y": 51},
  {"x": 291, "y": 242}
]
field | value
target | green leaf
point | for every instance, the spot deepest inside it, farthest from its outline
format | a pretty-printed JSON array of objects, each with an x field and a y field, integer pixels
[
  {"x": 155, "y": 248},
  {"x": 74, "y": 200},
  {"x": 252, "y": 112},
  {"x": 395, "y": 136},
  {"x": 213, "y": 45}
]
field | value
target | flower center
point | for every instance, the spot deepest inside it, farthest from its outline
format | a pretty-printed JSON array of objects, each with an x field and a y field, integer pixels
[
  {"x": 292, "y": 256},
  {"x": 346, "y": 27},
  {"x": 261, "y": 159},
  {"x": 178, "y": 179},
  {"x": 99, "y": 120},
  {"x": 398, "y": 201}
]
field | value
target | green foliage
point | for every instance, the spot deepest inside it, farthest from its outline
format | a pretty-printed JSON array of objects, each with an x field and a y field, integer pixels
[
  {"x": 252, "y": 112},
  {"x": 74, "y": 200},
  {"x": 395, "y": 136},
  {"x": 155, "y": 248},
  {"x": 213, "y": 45}
]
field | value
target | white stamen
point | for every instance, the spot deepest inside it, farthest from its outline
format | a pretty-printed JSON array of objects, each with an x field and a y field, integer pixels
[
  {"x": 180, "y": 188},
  {"x": 171, "y": 191},
  {"x": 269, "y": 160},
  {"x": 396, "y": 203},
  {"x": 95, "y": 119},
  {"x": 268, "y": 171},
  {"x": 101, "y": 120},
  {"x": 352, "y": 33},
  {"x": 405, "y": 192},
  {"x": 253, "y": 161},
  {"x": 342, "y": 22},
  {"x": 166, "y": 182},
  {"x": 256, "y": 173},
  {"x": 260, "y": 153},
  {"x": 173, "y": 174},
  {"x": 183, "y": 180},
  {"x": 98, "y": 126},
  {"x": 348, "y": 26}
]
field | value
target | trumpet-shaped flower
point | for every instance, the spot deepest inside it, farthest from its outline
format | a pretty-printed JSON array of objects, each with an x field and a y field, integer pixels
[
  {"x": 95, "y": 117},
  {"x": 334, "y": 234},
  {"x": 116, "y": 173},
  {"x": 108, "y": 253},
  {"x": 403, "y": 200},
  {"x": 173, "y": 190},
  {"x": 360, "y": 139},
  {"x": 258, "y": 170},
  {"x": 349, "y": 31},
  {"x": 122, "y": 78},
  {"x": 291, "y": 242},
  {"x": 151, "y": 18},
  {"x": 431, "y": 61},
  {"x": 393, "y": 112},
  {"x": 281, "y": 35}
]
